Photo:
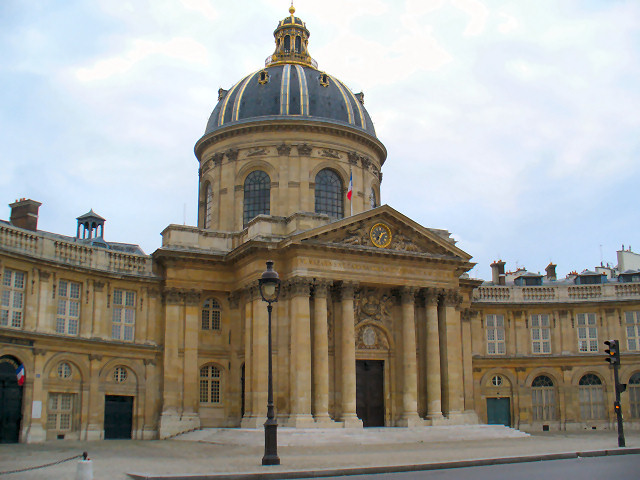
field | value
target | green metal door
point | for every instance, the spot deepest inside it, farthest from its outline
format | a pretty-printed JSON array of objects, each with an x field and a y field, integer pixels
[{"x": 499, "y": 411}]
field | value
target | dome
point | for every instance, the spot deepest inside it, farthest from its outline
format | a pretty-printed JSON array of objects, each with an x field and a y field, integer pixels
[
  {"x": 290, "y": 91},
  {"x": 290, "y": 87}
]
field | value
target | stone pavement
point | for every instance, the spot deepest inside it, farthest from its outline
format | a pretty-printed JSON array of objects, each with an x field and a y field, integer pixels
[{"x": 239, "y": 451}]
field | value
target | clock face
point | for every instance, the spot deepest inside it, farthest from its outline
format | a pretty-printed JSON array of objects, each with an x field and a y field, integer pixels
[{"x": 380, "y": 235}]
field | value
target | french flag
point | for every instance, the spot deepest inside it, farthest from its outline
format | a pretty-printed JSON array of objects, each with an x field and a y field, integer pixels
[
  {"x": 20, "y": 374},
  {"x": 350, "y": 191}
]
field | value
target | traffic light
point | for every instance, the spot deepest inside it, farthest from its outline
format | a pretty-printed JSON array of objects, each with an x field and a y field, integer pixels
[
  {"x": 622, "y": 387},
  {"x": 613, "y": 352}
]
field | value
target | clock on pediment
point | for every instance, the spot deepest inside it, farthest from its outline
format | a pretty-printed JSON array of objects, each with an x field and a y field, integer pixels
[{"x": 380, "y": 235}]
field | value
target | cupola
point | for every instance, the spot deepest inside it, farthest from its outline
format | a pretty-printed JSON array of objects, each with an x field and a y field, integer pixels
[{"x": 292, "y": 39}]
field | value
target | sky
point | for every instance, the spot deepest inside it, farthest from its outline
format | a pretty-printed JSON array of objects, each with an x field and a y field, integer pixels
[{"x": 515, "y": 125}]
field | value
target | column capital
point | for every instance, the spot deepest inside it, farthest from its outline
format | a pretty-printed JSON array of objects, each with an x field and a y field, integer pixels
[
  {"x": 347, "y": 290},
  {"x": 298, "y": 286},
  {"x": 407, "y": 294},
  {"x": 252, "y": 291},
  {"x": 192, "y": 297},
  {"x": 452, "y": 298},
  {"x": 234, "y": 299},
  {"x": 173, "y": 296},
  {"x": 93, "y": 356},
  {"x": 321, "y": 288}
]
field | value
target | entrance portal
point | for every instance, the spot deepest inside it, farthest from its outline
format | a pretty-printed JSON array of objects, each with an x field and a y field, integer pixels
[
  {"x": 499, "y": 411},
  {"x": 118, "y": 416},
  {"x": 370, "y": 392},
  {"x": 10, "y": 402}
]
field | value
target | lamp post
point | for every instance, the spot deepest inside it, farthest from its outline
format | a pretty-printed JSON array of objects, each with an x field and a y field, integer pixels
[{"x": 269, "y": 290}]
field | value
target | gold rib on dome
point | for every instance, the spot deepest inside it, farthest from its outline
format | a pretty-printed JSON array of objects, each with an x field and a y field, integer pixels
[{"x": 292, "y": 39}]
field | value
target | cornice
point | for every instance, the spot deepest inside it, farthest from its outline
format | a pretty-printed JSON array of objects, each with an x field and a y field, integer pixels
[{"x": 275, "y": 125}]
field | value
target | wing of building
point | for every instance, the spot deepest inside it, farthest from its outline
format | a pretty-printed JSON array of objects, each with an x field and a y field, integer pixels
[{"x": 376, "y": 324}]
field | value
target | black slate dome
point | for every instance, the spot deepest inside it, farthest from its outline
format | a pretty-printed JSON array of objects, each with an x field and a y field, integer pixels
[{"x": 290, "y": 87}]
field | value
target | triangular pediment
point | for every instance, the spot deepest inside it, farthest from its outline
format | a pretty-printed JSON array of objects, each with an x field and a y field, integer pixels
[{"x": 398, "y": 234}]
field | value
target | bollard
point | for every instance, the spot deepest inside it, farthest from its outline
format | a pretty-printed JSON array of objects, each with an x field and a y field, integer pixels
[{"x": 85, "y": 468}]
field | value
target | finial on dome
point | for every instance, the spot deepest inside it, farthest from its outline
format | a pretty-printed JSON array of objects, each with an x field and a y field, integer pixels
[{"x": 292, "y": 9}]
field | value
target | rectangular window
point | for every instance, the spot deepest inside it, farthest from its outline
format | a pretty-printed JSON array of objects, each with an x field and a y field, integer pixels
[
  {"x": 495, "y": 335},
  {"x": 632, "y": 322},
  {"x": 12, "y": 299},
  {"x": 587, "y": 332},
  {"x": 60, "y": 412},
  {"x": 124, "y": 315},
  {"x": 540, "y": 334},
  {"x": 68, "y": 316}
]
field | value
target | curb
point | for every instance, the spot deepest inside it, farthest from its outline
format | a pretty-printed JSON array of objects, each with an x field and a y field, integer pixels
[{"x": 386, "y": 469}]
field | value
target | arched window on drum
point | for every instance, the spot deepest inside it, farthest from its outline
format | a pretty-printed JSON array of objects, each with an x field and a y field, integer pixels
[
  {"x": 591, "y": 394},
  {"x": 329, "y": 194},
  {"x": 257, "y": 195},
  {"x": 543, "y": 399},
  {"x": 208, "y": 200}
]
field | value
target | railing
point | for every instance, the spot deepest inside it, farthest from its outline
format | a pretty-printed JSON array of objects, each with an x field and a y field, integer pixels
[
  {"x": 45, "y": 247},
  {"x": 556, "y": 293},
  {"x": 295, "y": 57},
  {"x": 18, "y": 239}
]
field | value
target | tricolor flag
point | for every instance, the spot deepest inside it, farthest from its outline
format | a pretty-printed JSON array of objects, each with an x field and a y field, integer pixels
[
  {"x": 20, "y": 374},
  {"x": 350, "y": 191}
]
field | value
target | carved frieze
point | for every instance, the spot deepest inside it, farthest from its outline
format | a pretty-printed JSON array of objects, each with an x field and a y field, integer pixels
[
  {"x": 256, "y": 152},
  {"x": 329, "y": 153},
  {"x": 403, "y": 243},
  {"x": 356, "y": 235},
  {"x": 232, "y": 154},
  {"x": 353, "y": 158},
  {"x": 373, "y": 305},
  {"x": 304, "y": 149},
  {"x": 283, "y": 149}
]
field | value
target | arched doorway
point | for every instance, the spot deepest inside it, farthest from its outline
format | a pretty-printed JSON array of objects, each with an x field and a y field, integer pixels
[{"x": 10, "y": 401}]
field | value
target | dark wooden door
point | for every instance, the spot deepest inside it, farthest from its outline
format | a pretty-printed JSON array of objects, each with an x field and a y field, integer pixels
[
  {"x": 10, "y": 403},
  {"x": 370, "y": 392},
  {"x": 499, "y": 411},
  {"x": 118, "y": 416}
]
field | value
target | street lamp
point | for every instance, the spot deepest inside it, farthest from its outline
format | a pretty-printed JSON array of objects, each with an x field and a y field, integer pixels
[{"x": 269, "y": 284}]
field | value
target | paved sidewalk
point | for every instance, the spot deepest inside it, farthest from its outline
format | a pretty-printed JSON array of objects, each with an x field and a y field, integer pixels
[{"x": 239, "y": 451}]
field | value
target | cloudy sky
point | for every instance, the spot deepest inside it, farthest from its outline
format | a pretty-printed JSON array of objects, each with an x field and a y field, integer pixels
[{"x": 513, "y": 124}]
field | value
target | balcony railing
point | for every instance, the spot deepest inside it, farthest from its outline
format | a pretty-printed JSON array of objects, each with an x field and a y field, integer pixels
[
  {"x": 556, "y": 293},
  {"x": 32, "y": 244}
]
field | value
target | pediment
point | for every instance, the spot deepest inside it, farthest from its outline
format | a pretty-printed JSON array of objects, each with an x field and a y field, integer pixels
[{"x": 407, "y": 236}]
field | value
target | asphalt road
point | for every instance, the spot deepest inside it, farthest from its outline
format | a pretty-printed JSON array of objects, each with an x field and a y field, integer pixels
[{"x": 590, "y": 468}]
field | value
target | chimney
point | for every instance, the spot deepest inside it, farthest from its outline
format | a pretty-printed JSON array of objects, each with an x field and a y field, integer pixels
[
  {"x": 24, "y": 214},
  {"x": 497, "y": 272},
  {"x": 551, "y": 271}
]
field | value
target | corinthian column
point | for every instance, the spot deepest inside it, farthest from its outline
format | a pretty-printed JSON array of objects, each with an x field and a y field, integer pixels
[
  {"x": 409, "y": 416},
  {"x": 453, "y": 368},
  {"x": 300, "y": 354},
  {"x": 434, "y": 401},
  {"x": 320, "y": 354},
  {"x": 348, "y": 348}
]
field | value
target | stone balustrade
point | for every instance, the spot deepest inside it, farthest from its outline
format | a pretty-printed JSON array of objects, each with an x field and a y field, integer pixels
[
  {"x": 556, "y": 293},
  {"x": 56, "y": 248}
]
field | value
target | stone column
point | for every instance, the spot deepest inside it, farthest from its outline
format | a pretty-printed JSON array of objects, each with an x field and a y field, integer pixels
[
  {"x": 95, "y": 424},
  {"x": 467, "y": 365},
  {"x": 434, "y": 400},
  {"x": 409, "y": 416},
  {"x": 247, "y": 419},
  {"x": 191, "y": 392},
  {"x": 454, "y": 378},
  {"x": 300, "y": 415},
  {"x": 170, "y": 418},
  {"x": 320, "y": 354},
  {"x": 36, "y": 432},
  {"x": 348, "y": 348},
  {"x": 256, "y": 381}
]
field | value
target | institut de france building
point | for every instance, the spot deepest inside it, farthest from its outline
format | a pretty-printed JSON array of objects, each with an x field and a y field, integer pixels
[{"x": 377, "y": 322}]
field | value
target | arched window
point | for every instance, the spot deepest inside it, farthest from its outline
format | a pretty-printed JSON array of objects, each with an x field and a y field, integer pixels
[
  {"x": 298, "y": 43},
  {"x": 329, "y": 194},
  {"x": 634, "y": 395},
  {"x": 210, "y": 384},
  {"x": 591, "y": 397},
  {"x": 287, "y": 44},
  {"x": 543, "y": 398},
  {"x": 257, "y": 195},
  {"x": 372, "y": 198},
  {"x": 211, "y": 315},
  {"x": 208, "y": 200}
]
